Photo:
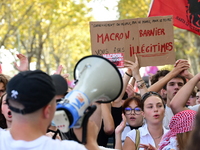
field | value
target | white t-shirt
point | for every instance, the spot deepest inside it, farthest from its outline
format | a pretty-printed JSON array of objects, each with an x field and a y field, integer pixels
[
  {"x": 145, "y": 136},
  {"x": 42, "y": 143},
  {"x": 126, "y": 130},
  {"x": 168, "y": 116},
  {"x": 195, "y": 107}
]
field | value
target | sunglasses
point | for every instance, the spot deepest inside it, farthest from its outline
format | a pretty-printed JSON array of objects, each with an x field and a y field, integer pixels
[
  {"x": 136, "y": 110},
  {"x": 148, "y": 94}
]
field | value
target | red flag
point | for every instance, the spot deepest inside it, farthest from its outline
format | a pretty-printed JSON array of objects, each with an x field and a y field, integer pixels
[{"x": 186, "y": 13}]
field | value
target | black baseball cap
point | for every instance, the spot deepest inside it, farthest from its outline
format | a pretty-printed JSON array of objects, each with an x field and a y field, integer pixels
[
  {"x": 60, "y": 84},
  {"x": 32, "y": 89}
]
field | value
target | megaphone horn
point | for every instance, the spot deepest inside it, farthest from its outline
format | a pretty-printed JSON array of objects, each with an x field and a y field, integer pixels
[{"x": 98, "y": 80}]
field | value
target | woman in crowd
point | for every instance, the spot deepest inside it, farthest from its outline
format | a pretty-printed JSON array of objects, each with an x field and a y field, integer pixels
[
  {"x": 153, "y": 111},
  {"x": 3, "y": 83},
  {"x": 180, "y": 126},
  {"x": 5, "y": 113},
  {"x": 132, "y": 119},
  {"x": 153, "y": 130}
]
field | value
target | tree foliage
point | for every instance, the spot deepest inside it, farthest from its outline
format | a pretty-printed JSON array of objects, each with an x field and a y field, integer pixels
[
  {"x": 49, "y": 32},
  {"x": 133, "y": 9}
]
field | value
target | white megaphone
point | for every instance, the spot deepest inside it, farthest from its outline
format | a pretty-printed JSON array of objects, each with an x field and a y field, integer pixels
[{"x": 97, "y": 80}]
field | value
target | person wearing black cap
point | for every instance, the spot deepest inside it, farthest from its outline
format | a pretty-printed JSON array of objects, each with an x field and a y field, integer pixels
[
  {"x": 60, "y": 84},
  {"x": 61, "y": 88},
  {"x": 31, "y": 98}
]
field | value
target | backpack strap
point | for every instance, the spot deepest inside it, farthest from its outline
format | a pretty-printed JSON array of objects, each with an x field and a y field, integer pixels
[{"x": 137, "y": 139}]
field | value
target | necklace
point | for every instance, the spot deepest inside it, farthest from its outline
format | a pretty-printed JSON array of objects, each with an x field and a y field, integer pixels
[{"x": 158, "y": 137}]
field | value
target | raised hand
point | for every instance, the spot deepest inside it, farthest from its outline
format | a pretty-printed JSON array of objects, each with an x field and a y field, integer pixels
[
  {"x": 147, "y": 147},
  {"x": 65, "y": 75},
  {"x": 51, "y": 134},
  {"x": 118, "y": 131},
  {"x": 180, "y": 61},
  {"x": 134, "y": 66},
  {"x": 59, "y": 69},
  {"x": 23, "y": 63},
  {"x": 121, "y": 126},
  {"x": 180, "y": 67},
  {"x": 130, "y": 90}
]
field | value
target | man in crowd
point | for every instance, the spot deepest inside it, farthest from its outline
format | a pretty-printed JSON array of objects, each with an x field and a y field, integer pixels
[{"x": 31, "y": 98}]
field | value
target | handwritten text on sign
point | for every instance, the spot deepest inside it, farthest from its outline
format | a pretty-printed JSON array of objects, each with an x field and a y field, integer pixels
[{"x": 150, "y": 38}]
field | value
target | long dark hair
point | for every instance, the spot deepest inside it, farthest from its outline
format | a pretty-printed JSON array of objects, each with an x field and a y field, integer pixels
[{"x": 3, "y": 124}]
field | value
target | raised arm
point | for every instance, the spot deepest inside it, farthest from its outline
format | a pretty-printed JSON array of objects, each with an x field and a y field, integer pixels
[
  {"x": 118, "y": 132},
  {"x": 189, "y": 76},
  {"x": 126, "y": 78},
  {"x": 129, "y": 144},
  {"x": 108, "y": 121},
  {"x": 92, "y": 133},
  {"x": 135, "y": 66},
  {"x": 59, "y": 71},
  {"x": 23, "y": 63},
  {"x": 130, "y": 88},
  {"x": 179, "y": 67},
  {"x": 179, "y": 100}
]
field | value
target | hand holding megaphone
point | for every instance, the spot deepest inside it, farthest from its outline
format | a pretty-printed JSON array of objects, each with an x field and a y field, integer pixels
[{"x": 97, "y": 80}]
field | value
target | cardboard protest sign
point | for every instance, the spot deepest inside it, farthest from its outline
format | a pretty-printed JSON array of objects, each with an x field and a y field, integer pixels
[{"x": 150, "y": 38}]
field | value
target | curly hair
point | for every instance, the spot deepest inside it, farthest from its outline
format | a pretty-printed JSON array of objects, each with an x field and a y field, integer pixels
[{"x": 160, "y": 73}]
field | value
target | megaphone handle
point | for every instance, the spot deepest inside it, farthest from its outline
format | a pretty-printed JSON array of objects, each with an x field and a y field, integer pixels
[
  {"x": 55, "y": 134},
  {"x": 89, "y": 111}
]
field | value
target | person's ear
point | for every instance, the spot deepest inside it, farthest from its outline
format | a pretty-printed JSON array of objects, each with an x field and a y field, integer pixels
[
  {"x": 47, "y": 111},
  {"x": 163, "y": 92},
  {"x": 143, "y": 114}
]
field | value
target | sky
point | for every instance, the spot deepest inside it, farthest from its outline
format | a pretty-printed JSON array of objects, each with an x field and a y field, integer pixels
[
  {"x": 100, "y": 12},
  {"x": 6, "y": 59}
]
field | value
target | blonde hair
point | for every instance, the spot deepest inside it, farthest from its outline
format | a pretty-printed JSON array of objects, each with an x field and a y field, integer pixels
[{"x": 182, "y": 139}]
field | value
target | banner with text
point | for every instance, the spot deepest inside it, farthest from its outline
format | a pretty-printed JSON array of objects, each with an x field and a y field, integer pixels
[{"x": 152, "y": 39}]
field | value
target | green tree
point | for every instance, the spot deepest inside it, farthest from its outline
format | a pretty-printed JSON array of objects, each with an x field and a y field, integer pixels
[
  {"x": 49, "y": 32},
  {"x": 129, "y": 9}
]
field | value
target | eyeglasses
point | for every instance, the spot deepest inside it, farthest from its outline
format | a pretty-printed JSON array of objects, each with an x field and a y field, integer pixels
[
  {"x": 136, "y": 110},
  {"x": 148, "y": 94}
]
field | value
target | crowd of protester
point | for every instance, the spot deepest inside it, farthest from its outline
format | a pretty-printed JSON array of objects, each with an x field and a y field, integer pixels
[{"x": 163, "y": 116}]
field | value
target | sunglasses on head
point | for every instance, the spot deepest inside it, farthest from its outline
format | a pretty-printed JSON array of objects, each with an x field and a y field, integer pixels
[{"x": 148, "y": 94}]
